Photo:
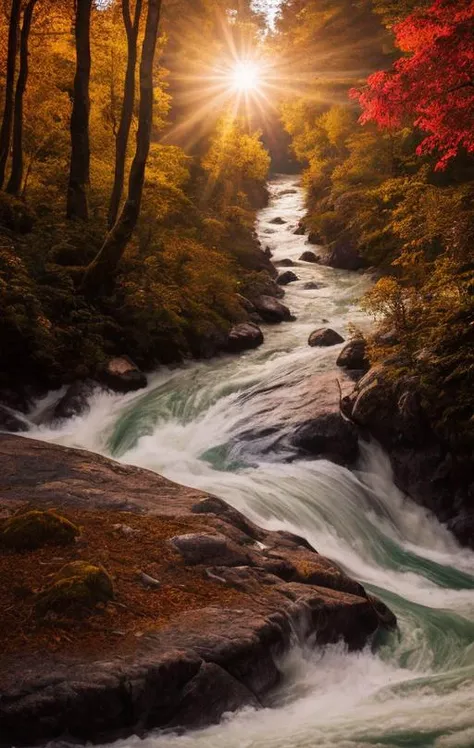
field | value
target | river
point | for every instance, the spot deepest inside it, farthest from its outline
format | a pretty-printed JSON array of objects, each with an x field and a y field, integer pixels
[{"x": 417, "y": 688}]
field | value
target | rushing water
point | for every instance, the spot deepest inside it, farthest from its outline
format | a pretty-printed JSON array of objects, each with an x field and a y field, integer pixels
[{"x": 417, "y": 689}]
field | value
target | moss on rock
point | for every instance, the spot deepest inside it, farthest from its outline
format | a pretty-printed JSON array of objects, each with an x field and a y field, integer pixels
[
  {"x": 36, "y": 528},
  {"x": 78, "y": 588}
]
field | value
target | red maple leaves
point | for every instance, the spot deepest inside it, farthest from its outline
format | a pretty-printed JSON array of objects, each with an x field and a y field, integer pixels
[{"x": 433, "y": 86}]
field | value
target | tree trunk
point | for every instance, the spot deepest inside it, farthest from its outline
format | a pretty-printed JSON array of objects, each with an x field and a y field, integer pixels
[
  {"x": 79, "y": 174},
  {"x": 127, "y": 107},
  {"x": 16, "y": 177},
  {"x": 6, "y": 129},
  {"x": 106, "y": 261}
]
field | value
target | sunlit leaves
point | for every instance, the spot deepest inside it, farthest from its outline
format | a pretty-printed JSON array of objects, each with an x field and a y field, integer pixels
[{"x": 433, "y": 86}]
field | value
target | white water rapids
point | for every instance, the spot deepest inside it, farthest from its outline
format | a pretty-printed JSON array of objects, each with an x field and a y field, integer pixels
[{"x": 417, "y": 688}]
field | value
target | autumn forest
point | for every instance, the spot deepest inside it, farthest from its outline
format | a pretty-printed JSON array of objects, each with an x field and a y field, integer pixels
[{"x": 237, "y": 372}]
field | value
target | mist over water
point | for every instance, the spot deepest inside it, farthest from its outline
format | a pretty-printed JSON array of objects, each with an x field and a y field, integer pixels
[{"x": 417, "y": 687}]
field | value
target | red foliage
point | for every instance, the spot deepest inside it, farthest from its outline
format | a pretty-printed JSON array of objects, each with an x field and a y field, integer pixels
[{"x": 434, "y": 84}]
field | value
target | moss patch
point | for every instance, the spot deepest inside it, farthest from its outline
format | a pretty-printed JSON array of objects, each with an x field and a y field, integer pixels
[
  {"x": 77, "y": 588},
  {"x": 35, "y": 529},
  {"x": 125, "y": 544}
]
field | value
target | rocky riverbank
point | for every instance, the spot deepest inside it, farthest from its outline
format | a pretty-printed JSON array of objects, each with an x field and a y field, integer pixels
[
  {"x": 203, "y": 604},
  {"x": 431, "y": 470}
]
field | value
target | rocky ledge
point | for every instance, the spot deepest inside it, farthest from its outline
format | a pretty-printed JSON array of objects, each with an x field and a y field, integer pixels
[
  {"x": 429, "y": 469},
  {"x": 201, "y": 604}
]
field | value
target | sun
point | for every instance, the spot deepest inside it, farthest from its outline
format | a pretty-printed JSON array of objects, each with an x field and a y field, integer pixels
[{"x": 246, "y": 76}]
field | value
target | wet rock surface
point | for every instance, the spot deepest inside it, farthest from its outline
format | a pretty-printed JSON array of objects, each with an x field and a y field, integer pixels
[
  {"x": 205, "y": 662},
  {"x": 309, "y": 256},
  {"x": 302, "y": 418},
  {"x": 425, "y": 467},
  {"x": 287, "y": 277},
  {"x": 243, "y": 337},
  {"x": 354, "y": 356},
  {"x": 122, "y": 375},
  {"x": 271, "y": 310},
  {"x": 324, "y": 337},
  {"x": 340, "y": 254},
  {"x": 75, "y": 401}
]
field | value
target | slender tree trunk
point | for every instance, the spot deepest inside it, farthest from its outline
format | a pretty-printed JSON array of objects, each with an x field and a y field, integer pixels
[
  {"x": 127, "y": 107},
  {"x": 16, "y": 177},
  {"x": 79, "y": 174},
  {"x": 6, "y": 128},
  {"x": 105, "y": 264}
]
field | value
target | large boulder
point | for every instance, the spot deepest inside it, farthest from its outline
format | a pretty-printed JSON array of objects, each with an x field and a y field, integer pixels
[
  {"x": 342, "y": 254},
  {"x": 243, "y": 337},
  {"x": 271, "y": 310},
  {"x": 75, "y": 401},
  {"x": 391, "y": 410},
  {"x": 330, "y": 435},
  {"x": 324, "y": 337},
  {"x": 285, "y": 263},
  {"x": 234, "y": 599},
  {"x": 354, "y": 355},
  {"x": 122, "y": 375},
  {"x": 303, "y": 416},
  {"x": 287, "y": 277},
  {"x": 309, "y": 256}
]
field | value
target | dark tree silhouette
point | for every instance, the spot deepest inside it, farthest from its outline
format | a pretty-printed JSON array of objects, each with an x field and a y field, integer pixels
[
  {"x": 79, "y": 174},
  {"x": 105, "y": 264}
]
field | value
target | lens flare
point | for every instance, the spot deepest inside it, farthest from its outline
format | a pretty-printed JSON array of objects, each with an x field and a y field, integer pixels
[{"x": 245, "y": 76}]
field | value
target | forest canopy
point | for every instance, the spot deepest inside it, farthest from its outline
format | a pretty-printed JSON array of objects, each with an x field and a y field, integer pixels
[
  {"x": 126, "y": 208},
  {"x": 136, "y": 138}
]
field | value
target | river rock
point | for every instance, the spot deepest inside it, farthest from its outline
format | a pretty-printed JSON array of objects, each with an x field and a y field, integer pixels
[
  {"x": 75, "y": 401},
  {"x": 300, "y": 229},
  {"x": 313, "y": 286},
  {"x": 342, "y": 254},
  {"x": 285, "y": 263},
  {"x": 271, "y": 310},
  {"x": 287, "y": 277},
  {"x": 215, "y": 550},
  {"x": 244, "y": 336},
  {"x": 354, "y": 355},
  {"x": 302, "y": 415},
  {"x": 330, "y": 435},
  {"x": 278, "y": 221},
  {"x": 202, "y": 661},
  {"x": 324, "y": 337},
  {"x": 424, "y": 466},
  {"x": 122, "y": 375},
  {"x": 309, "y": 256}
]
